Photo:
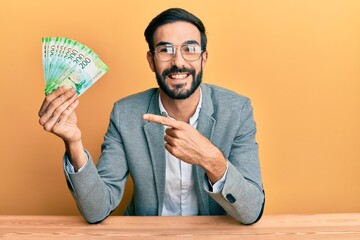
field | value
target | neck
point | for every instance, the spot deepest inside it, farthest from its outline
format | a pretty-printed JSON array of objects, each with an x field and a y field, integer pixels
[{"x": 183, "y": 109}]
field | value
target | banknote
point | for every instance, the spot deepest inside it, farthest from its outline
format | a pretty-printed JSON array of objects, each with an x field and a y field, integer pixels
[{"x": 69, "y": 63}]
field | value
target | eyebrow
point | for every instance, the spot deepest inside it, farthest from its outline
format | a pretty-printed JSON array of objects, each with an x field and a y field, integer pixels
[
  {"x": 169, "y": 43},
  {"x": 191, "y": 42},
  {"x": 163, "y": 43}
]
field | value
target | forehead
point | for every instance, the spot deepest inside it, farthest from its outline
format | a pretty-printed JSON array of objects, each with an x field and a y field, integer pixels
[{"x": 177, "y": 33}]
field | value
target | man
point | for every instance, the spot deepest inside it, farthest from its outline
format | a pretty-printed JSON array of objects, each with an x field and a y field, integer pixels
[{"x": 189, "y": 147}]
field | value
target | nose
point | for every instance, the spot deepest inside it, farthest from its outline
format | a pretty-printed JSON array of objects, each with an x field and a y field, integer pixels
[{"x": 178, "y": 59}]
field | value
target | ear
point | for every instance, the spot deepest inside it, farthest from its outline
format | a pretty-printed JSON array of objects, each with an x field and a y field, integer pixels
[
  {"x": 150, "y": 58},
  {"x": 204, "y": 58}
]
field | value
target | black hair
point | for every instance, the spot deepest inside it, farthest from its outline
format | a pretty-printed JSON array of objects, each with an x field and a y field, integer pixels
[{"x": 174, "y": 15}]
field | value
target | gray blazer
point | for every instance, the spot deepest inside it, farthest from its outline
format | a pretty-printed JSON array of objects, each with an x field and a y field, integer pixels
[{"x": 136, "y": 147}]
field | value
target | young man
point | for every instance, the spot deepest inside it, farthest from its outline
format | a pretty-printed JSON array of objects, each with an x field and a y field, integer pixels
[{"x": 189, "y": 147}]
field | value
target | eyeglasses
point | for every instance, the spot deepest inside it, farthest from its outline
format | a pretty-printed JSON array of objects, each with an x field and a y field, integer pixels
[{"x": 190, "y": 52}]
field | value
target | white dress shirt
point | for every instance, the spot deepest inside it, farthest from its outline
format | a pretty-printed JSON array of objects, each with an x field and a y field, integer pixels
[{"x": 180, "y": 198}]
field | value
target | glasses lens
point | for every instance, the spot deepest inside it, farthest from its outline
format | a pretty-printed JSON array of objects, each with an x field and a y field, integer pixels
[
  {"x": 191, "y": 52},
  {"x": 164, "y": 52}
]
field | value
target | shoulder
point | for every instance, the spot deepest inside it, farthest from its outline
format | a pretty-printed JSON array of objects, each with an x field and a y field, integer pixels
[{"x": 224, "y": 98}]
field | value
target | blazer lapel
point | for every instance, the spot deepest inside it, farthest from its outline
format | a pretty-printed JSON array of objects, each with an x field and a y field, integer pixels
[
  {"x": 154, "y": 136},
  {"x": 205, "y": 126}
]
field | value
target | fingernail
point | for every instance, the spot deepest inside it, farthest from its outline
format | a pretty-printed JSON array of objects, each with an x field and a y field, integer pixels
[{"x": 145, "y": 117}]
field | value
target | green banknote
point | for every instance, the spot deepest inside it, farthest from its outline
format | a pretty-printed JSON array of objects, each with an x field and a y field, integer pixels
[{"x": 69, "y": 63}]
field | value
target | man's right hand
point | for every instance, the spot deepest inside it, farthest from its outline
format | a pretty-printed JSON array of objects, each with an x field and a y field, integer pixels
[{"x": 57, "y": 114}]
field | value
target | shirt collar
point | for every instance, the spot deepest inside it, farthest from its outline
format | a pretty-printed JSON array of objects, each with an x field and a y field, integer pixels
[{"x": 193, "y": 119}]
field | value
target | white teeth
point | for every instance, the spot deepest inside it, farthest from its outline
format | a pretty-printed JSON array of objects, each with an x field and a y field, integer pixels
[{"x": 178, "y": 76}]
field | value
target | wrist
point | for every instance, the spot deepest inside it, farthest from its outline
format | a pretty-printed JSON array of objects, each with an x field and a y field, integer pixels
[
  {"x": 215, "y": 167},
  {"x": 76, "y": 153}
]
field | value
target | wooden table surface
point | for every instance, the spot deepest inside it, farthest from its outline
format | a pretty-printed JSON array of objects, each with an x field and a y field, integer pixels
[{"x": 318, "y": 226}]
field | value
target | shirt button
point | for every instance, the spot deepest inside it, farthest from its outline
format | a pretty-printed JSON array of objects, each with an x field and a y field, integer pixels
[{"x": 230, "y": 198}]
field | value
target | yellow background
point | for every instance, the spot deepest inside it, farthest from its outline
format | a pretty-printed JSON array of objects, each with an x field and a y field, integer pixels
[{"x": 299, "y": 62}]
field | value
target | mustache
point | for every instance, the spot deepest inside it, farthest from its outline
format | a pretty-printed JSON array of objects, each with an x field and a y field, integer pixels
[{"x": 175, "y": 69}]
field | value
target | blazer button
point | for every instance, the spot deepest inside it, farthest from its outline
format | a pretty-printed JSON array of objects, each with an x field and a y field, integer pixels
[{"x": 230, "y": 198}]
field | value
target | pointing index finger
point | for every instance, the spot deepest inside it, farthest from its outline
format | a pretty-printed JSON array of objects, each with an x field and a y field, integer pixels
[{"x": 161, "y": 120}]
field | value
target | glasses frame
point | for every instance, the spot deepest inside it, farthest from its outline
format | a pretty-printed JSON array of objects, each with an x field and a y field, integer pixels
[{"x": 175, "y": 47}]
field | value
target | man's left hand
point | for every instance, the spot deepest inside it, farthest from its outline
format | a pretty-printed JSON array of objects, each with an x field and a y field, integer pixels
[{"x": 187, "y": 144}]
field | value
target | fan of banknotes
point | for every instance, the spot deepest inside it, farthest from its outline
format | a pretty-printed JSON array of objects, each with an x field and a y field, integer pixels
[{"x": 71, "y": 64}]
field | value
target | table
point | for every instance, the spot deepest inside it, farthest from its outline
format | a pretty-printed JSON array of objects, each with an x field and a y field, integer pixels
[{"x": 317, "y": 226}]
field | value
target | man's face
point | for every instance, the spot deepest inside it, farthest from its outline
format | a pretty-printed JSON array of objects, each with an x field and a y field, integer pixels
[{"x": 178, "y": 78}]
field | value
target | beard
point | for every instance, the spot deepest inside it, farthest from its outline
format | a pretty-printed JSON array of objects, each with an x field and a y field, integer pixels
[{"x": 179, "y": 92}]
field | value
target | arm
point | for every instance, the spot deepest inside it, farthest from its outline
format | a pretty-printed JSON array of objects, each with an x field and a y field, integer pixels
[
  {"x": 98, "y": 189},
  {"x": 242, "y": 195}
]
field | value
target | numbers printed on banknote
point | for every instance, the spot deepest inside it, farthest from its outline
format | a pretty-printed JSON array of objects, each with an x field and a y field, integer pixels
[{"x": 69, "y": 63}]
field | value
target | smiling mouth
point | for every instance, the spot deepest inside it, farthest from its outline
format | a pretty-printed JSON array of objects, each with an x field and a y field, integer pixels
[{"x": 178, "y": 76}]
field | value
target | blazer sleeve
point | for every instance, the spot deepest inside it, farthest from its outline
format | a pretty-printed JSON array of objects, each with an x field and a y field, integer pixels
[
  {"x": 98, "y": 189},
  {"x": 242, "y": 195}
]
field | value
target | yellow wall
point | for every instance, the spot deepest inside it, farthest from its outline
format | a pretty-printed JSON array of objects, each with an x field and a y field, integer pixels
[{"x": 299, "y": 62}]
